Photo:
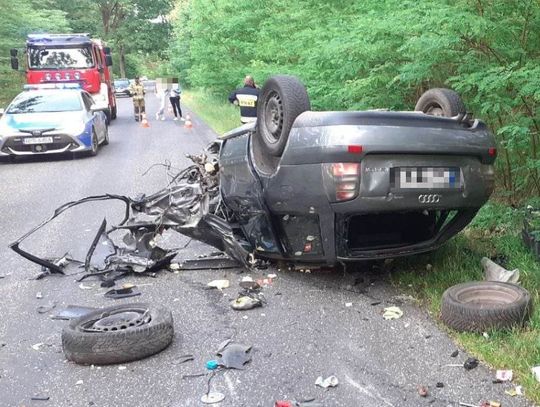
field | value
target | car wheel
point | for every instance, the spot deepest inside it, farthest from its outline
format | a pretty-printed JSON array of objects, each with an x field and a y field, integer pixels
[
  {"x": 113, "y": 112},
  {"x": 118, "y": 334},
  {"x": 95, "y": 144},
  {"x": 283, "y": 98},
  {"x": 440, "y": 102},
  {"x": 106, "y": 138},
  {"x": 484, "y": 305}
]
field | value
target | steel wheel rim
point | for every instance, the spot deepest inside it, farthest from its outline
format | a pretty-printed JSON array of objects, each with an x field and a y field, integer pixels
[
  {"x": 273, "y": 118},
  {"x": 117, "y": 320}
]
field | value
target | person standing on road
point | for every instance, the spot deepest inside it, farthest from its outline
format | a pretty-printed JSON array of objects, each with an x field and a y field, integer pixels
[
  {"x": 163, "y": 94},
  {"x": 175, "y": 101},
  {"x": 246, "y": 98},
  {"x": 137, "y": 90}
]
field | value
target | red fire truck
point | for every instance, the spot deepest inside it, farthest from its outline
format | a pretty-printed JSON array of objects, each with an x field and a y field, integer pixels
[{"x": 70, "y": 58}]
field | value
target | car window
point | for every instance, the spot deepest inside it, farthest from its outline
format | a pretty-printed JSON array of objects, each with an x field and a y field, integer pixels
[
  {"x": 121, "y": 84},
  {"x": 60, "y": 58},
  {"x": 44, "y": 102}
]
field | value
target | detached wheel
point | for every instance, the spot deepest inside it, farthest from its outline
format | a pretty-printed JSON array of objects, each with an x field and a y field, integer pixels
[
  {"x": 118, "y": 334},
  {"x": 282, "y": 99},
  {"x": 440, "y": 102},
  {"x": 485, "y": 305}
]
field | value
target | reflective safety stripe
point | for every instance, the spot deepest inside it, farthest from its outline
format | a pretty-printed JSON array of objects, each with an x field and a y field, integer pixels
[
  {"x": 246, "y": 100},
  {"x": 245, "y": 119}
]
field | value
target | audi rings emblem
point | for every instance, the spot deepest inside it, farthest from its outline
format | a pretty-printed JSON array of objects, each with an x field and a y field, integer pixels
[{"x": 428, "y": 199}]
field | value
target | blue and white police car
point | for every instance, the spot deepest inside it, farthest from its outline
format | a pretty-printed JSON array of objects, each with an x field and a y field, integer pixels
[{"x": 52, "y": 119}]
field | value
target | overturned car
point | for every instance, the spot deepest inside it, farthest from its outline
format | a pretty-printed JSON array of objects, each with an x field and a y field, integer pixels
[{"x": 316, "y": 187}]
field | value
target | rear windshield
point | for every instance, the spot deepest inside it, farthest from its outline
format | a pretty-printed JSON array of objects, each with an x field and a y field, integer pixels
[
  {"x": 60, "y": 58},
  {"x": 45, "y": 102}
]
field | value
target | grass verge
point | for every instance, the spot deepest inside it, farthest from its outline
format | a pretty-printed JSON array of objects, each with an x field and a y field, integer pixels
[
  {"x": 495, "y": 232},
  {"x": 214, "y": 109}
]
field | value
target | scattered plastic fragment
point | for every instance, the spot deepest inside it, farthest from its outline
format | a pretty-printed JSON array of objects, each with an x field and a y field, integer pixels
[
  {"x": 283, "y": 403},
  {"x": 504, "y": 375},
  {"x": 72, "y": 312},
  {"x": 470, "y": 363},
  {"x": 485, "y": 335},
  {"x": 348, "y": 304},
  {"x": 247, "y": 283},
  {"x": 37, "y": 346},
  {"x": 392, "y": 313},
  {"x": 174, "y": 266},
  {"x": 83, "y": 286},
  {"x": 272, "y": 276},
  {"x": 212, "y": 398},
  {"x": 422, "y": 391},
  {"x": 122, "y": 368},
  {"x": 516, "y": 391},
  {"x": 234, "y": 356},
  {"x": 494, "y": 272},
  {"x": 212, "y": 364},
  {"x": 183, "y": 359},
  {"x": 124, "y": 292},
  {"x": 43, "y": 309},
  {"x": 440, "y": 385},
  {"x": 244, "y": 303},
  {"x": 79, "y": 382},
  {"x": 219, "y": 284},
  {"x": 536, "y": 373},
  {"x": 490, "y": 404},
  {"x": 454, "y": 353},
  {"x": 330, "y": 381},
  {"x": 39, "y": 295},
  {"x": 375, "y": 303},
  {"x": 40, "y": 398}
]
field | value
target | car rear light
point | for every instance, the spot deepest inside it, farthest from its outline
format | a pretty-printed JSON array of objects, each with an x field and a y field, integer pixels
[
  {"x": 346, "y": 180},
  {"x": 355, "y": 149},
  {"x": 492, "y": 152}
]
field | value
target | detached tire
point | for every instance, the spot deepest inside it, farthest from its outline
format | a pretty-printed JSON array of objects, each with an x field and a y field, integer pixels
[
  {"x": 485, "y": 305},
  {"x": 440, "y": 102},
  {"x": 283, "y": 98},
  {"x": 118, "y": 334}
]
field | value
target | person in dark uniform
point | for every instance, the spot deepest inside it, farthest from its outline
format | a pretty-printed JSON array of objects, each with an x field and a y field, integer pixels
[{"x": 246, "y": 98}]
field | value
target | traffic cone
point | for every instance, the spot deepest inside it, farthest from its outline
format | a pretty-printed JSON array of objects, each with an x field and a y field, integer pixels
[
  {"x": 144, "y": 122},
  {"x": 188, "y": 124}
]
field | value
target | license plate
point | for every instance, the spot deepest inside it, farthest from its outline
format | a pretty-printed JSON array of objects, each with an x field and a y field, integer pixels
[
  {"x": 37, "y": 140},
  {"x": 426, "y": 177}
]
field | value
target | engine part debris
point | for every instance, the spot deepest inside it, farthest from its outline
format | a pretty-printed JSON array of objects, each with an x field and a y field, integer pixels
[
  {"x": 72, "y": 312},
  {"x": 212, "y": 398},
  {"x": 494, "y": 272},
  {"x": 392, "y": 313},
  {"x": 470, "y": 363},
  {"x": 330, "y": 381},
  {"x": 218, "y": 263},
  {"x": 234, "y": 356}
]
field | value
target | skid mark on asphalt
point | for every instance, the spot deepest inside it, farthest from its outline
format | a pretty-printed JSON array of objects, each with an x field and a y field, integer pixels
[{"x": 364, "y": 390}]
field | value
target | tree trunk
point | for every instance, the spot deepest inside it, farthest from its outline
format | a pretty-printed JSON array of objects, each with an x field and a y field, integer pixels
[{"x": 122, "y": 65}]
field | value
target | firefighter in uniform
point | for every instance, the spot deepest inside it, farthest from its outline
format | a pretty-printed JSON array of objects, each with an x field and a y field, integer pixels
[
  {"x": 137, "y": 91},
  {"x": 246, "y": 98}
]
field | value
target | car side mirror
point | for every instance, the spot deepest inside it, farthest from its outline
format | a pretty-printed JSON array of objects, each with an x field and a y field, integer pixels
[
  {"x": 15, "y": 63},
  {"x": 108, "y": 60},
  {"x": 13, "y": 52}
]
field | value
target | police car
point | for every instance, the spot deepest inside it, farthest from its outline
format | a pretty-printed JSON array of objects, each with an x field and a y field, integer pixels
[{"x": 51, "y": 119}]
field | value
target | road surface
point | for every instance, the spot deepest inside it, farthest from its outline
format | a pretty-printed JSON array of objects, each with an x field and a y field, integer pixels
[{"x": 312, "y": 325}]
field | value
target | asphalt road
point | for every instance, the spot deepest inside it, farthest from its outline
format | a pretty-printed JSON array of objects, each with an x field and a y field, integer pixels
[{"x": 312, "y": 325}]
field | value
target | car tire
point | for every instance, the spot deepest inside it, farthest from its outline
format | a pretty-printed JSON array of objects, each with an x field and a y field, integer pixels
[
  {"x": 485, "y": 305},
  {"x": 107, "y": 116},
  {"x": 283, "y": 98},
  {"x": 106, "y": 138},
  {"x": 95, "y": 144},
  {"x": 440, "y": 102},
  {"x": 118, "y": 334},
  {"x": 113, "y": 112}
]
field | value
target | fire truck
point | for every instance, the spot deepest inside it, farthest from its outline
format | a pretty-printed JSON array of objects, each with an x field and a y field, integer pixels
[{"x": 70, "y": 58}]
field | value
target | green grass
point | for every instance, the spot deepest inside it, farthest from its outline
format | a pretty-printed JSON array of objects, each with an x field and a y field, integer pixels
[
  {"x": 494, "y": 231},
  {"x": 215, "y": 110}
]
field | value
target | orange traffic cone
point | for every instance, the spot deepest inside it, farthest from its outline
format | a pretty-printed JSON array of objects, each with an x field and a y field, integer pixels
[
  {"x": 144, "y": 122},
  {"x": 188, "y": 124}
]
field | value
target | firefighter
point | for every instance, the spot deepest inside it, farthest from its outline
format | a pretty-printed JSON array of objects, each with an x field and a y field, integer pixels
[
  {"x": 246, "y": 98},
  {"x": 137, "y": 91}
]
